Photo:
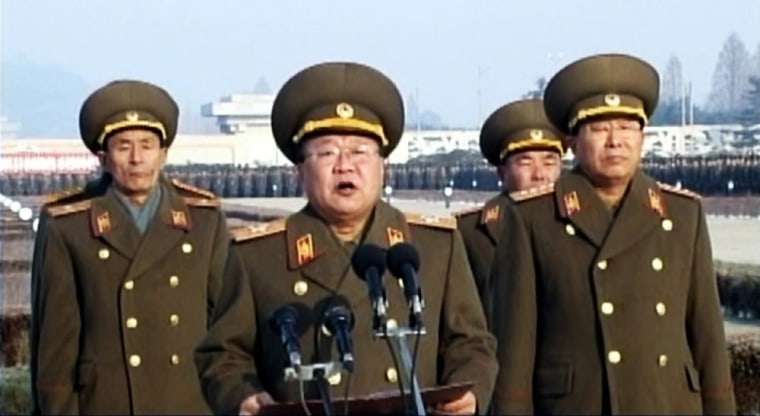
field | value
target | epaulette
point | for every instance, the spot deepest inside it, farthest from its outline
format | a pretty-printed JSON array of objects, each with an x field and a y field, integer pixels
[
  {"x": 531, "y": 193},
  {"x": 192, "y": 189},
  {"x": 66, "y": 209},
  {"x": 202, "y": 202},
  {"x": 250, "y": 232},
  {"x": 678, "y": 191},
  {"x": 60, "y": 195},
  {"x": 446, "y": 222},
  {"x": 468, "y": 211}
]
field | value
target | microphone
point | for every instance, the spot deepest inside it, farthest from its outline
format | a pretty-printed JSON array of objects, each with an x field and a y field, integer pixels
[
  {"x": 290, "y": 321},
  {"x": 338, "y": 320},
  {"x": 368, "y": 262},
  {"x": 404, "y": 262}
]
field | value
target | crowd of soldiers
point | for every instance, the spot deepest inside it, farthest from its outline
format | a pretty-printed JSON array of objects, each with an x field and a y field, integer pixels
[{"x": 715, "y": 175}]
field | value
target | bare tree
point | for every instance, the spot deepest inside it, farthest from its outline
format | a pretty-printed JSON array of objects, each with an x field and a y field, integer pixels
[
  {"x": 672, "y": 82},
  {"x": 754, "y": 64},
  {"x": 731, "y": 77}
]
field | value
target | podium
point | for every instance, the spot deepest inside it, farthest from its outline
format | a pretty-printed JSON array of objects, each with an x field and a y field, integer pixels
[{"x": 386, "y": 402}]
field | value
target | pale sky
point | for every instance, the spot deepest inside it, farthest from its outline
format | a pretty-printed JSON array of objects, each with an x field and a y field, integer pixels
[{"x": 201, "y": 50}]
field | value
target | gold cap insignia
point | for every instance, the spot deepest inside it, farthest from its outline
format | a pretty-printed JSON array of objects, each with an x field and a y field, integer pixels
[
  {"x": 536, "y": 134},
  {"x": 612, "y": 100},
  {"x": 132, "y": 116},
  {"x": 344, "y": 110},
  {"x": 572, "y": 204},
  {"x": 394, "y": 236},
  {"x": 305, "y": 249}
]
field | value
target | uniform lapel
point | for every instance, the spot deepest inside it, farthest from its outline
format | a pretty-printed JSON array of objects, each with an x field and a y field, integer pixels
[
  {"x": 641, "y": 210},
  {"x": 111, "y": 222},
  {"x": 490, "y": 216},
  {"x": 166, "y": 231},
  {"x": 313, "y": 249},
  {"x": 577, "y": 202}
]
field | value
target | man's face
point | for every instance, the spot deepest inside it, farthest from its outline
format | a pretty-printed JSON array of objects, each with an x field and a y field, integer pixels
[
  {"x": 530, "y": 168},
  {"x": 134, "y": 158},
  {"x": 608, "y": 150},
  {"x": 342, "y": 175}
]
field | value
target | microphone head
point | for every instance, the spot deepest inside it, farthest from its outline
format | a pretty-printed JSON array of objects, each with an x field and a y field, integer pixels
[
  {"x": 296, "y": 314},
  {"x": 366, "y": 256},
  {"x": 400, "y": 254},
  {"x": 334, "y": 309}
]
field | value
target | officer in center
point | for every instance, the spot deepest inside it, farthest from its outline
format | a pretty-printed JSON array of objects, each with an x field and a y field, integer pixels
[
  {"x": 337, "y": 122},
  {"x": 520, "y": 141}
]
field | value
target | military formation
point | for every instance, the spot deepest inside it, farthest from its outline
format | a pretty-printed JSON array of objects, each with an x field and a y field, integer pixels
[{"x": 580, "y": 290}]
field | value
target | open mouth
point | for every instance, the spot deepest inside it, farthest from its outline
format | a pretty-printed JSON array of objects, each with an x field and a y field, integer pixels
[{"x": 346, "y": 187}]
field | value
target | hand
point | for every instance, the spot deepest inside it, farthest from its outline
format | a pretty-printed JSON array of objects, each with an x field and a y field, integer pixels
[
  {"x": 252, "y": 404},
  {"x": 465, "y": 405}
]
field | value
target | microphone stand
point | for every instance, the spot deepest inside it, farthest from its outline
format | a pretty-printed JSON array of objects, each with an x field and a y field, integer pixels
[
  {"x": 397, "y": 335},
  {"x": 318, "y": 372}
]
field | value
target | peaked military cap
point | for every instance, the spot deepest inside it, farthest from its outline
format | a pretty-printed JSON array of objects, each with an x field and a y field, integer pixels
[
  {"x": 125, "y": 104},
  {"x": 518, "y": 126},
  {"x": 337, "y": 97},
  {"x": 599, "y": 85}
]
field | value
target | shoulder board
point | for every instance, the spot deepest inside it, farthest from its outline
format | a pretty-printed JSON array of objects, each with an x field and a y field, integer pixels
[
  {"x": 678, "y": 191},
  {"x": 250, "y": 232},
  {"x": 446, "y": 222},
  {"x": 66, "y": 209},
  {"x": 531, "y": 193},
  {"x": 60, "y": 195},
  {"x": 468, "y": 211},
  {"x": 202, "y": 202},
  {"x": 192, "y": 189}
]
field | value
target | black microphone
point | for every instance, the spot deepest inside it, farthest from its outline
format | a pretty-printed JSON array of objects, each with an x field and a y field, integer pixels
[
  {"x": 290, "y": 321},
  {"x": 338, "y": 320},
  {"x": 368, "y": 262},
  {"x": 404, "y": 262}
]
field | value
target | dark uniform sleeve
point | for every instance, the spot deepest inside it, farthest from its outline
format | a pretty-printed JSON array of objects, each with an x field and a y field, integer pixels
[
  {"x": 224, "y": 358},
  {"x": 467, "y": 348},
  {"x": 219, "y": 256},
  {"x": 515, "y": 319},
  {"x": 55, "y": 324},
  {"x": 704, "y": 326}
]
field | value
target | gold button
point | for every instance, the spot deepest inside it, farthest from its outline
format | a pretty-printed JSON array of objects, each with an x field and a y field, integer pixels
[
  {"x": 334, "y": 379},
  {"x": 134, "y": 360},
  {"x": 391, "y": 375},
  {"x": 300, "y": 288},
  {"x": 129, "y": 284},
  {"x": 187, "y": 248},
  {"x": 174, "y": 281},
  {"x": 104, "y": 253},
  {"x": 657, "y": 264},
  {"x": 608, "y": 308},
  {"x": 662, "y": 360},
  {"x": 569, "y": 229},
  {"x": 175, "y": 359},
  {"x": 174, "y": 319},
  {"x": 391, "y": 324},
  {"x": 660, "y": 308},
  {"x": 667, "y": 224},
  {"x": 131, "y": 322},
  {"x": 614, "y": 357},
  {"x": 602, "y": 265}
]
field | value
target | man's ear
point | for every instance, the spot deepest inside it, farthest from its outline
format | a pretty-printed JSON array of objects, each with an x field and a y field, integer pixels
[{"x": 102, "y": 158}]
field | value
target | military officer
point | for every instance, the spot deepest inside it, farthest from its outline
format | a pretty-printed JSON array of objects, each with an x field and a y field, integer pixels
[
  {"x": 614, "y": 307},
  {"x": 337, "y": 122},
  {"x": 125, "y": 271},
  {"x": 526, "y": 149}
]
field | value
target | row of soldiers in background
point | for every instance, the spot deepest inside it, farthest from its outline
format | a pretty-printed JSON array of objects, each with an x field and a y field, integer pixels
[{"x": 707, "y": 175}]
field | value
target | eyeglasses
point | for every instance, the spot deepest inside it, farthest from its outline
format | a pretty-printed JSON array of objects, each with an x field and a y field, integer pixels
[{"x": 329, "y": 154}]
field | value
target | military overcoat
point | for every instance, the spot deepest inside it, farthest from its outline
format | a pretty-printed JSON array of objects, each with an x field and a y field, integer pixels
[
  {"x": 298, "y": 260},
  {"x": 116, "y": 315},
  {"x": 611, "y": 311}
]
